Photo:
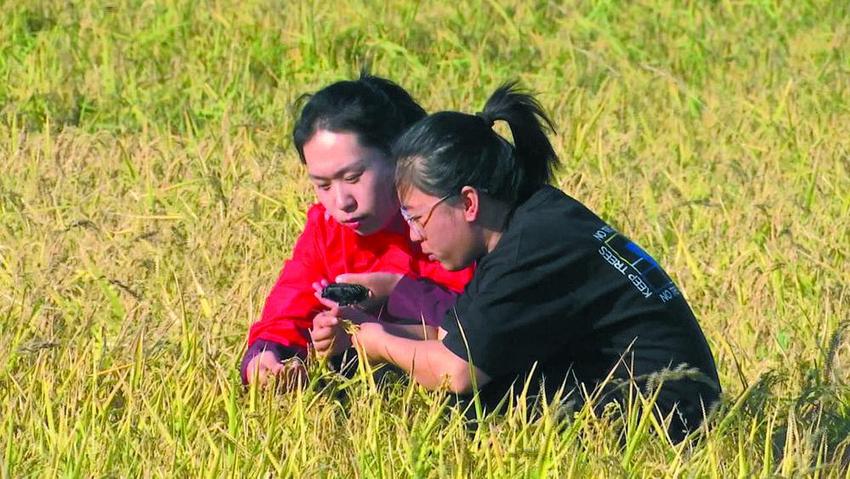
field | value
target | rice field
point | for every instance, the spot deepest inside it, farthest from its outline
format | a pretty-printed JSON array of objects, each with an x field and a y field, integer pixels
[{"x": 149, "y": 195}]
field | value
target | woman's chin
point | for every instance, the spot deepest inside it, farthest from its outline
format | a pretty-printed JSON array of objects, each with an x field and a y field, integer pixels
[
  {"x": 448, "y": 265},
  {"x": 363, "y": 227}
]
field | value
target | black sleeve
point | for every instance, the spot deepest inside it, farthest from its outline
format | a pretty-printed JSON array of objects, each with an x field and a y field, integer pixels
[{"x": 516, "y": 311}]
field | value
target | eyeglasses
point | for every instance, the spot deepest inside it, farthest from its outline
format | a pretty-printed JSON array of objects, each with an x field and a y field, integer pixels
[{"x": 414, "y": 222}]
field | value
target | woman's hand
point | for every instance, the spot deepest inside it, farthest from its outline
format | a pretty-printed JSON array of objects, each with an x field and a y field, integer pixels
[
  {"x": 367, "y": 341},
  {"x": 328, "y": 334},
  {"x": 380, "y": 286},
  {"x": 265, "y": 367}
]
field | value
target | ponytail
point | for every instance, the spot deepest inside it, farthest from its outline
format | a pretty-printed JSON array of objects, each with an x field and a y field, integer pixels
[
  {"x": 535, "y": 157},
  {"x": 449, "y": 150}
]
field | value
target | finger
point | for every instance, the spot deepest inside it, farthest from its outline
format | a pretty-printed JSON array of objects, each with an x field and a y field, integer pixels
[
  {"x": 325, "y": 348},
  {"x": 325, "y": 321},
  {"x": 325, "y": 301},
  {"x": 317, "y": 287},
  {"x": 262, "y": 377},
  {"x": 323, "y": 345},
  {"x": 354, "y": 278},
  {"x": 321, "y": 334},
  {"x": 267, "y": 361},
  {"x": 253, "y": 371},
  {"x": 252, "y": 364}
]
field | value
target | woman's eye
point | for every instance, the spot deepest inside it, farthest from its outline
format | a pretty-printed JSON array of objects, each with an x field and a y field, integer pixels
[
  {"x": 353, "y": 178},
  {"x": 324, "y": 187}
]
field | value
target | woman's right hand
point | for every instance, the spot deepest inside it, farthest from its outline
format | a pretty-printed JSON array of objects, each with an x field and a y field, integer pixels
[
  {"x": 266, "y": 366},
  {"x": 328, "y": 335},
  {"x": 380, "y": 286}
]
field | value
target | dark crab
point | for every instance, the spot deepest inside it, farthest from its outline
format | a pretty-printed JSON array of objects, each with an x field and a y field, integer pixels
[{"x": 345, "y": 294}]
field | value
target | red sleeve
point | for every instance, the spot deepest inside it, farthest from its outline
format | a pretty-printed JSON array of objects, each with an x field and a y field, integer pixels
[{"x": 291, "y": 306}]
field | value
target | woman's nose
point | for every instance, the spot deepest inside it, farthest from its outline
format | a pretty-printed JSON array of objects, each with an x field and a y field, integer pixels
[
  {"x": 344, "y": 200},
  {"x": 415, "y": 235}
]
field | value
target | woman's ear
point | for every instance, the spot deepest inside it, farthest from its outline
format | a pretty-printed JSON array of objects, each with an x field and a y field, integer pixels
[{"x": 471, "y": 201}]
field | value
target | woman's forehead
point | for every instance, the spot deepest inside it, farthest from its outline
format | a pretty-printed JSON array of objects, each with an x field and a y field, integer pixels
[
  {"x": 412, "y": 198},
  {"x": 329, "y": 154}
]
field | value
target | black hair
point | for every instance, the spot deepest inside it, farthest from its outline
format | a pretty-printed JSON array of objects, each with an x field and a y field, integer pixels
[
  {"x": 449, "y": 150},
  {"x": 374, "y": 108}
]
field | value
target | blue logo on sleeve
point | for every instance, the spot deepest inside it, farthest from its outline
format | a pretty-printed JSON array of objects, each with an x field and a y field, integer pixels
[{"x": 634, "y": 263}]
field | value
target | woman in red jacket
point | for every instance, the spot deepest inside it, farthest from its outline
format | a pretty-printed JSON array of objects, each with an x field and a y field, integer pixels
[{"x": 343, "y": 136}]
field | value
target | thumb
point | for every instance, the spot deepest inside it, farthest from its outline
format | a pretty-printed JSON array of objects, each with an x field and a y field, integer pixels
[{"x": 354, "y": 278}]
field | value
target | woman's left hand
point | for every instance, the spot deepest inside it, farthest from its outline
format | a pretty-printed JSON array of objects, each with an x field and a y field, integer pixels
[{"x": 367, "y": 340}]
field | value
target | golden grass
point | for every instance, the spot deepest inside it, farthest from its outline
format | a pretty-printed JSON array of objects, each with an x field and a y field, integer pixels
[{"x": 150, "y": 194}]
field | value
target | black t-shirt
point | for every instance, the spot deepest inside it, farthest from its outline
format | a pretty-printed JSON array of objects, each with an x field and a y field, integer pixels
[{"x": 566, "y": 296}]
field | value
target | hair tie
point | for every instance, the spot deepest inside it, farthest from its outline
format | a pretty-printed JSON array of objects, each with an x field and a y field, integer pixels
[{"x": 489, "y": 121}]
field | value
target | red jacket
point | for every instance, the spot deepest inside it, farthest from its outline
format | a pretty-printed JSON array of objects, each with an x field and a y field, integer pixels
[{"x": 325, "y": 250}]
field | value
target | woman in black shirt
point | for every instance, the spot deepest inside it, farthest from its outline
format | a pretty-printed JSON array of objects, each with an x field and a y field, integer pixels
[{"x": 559, "y": 300}]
